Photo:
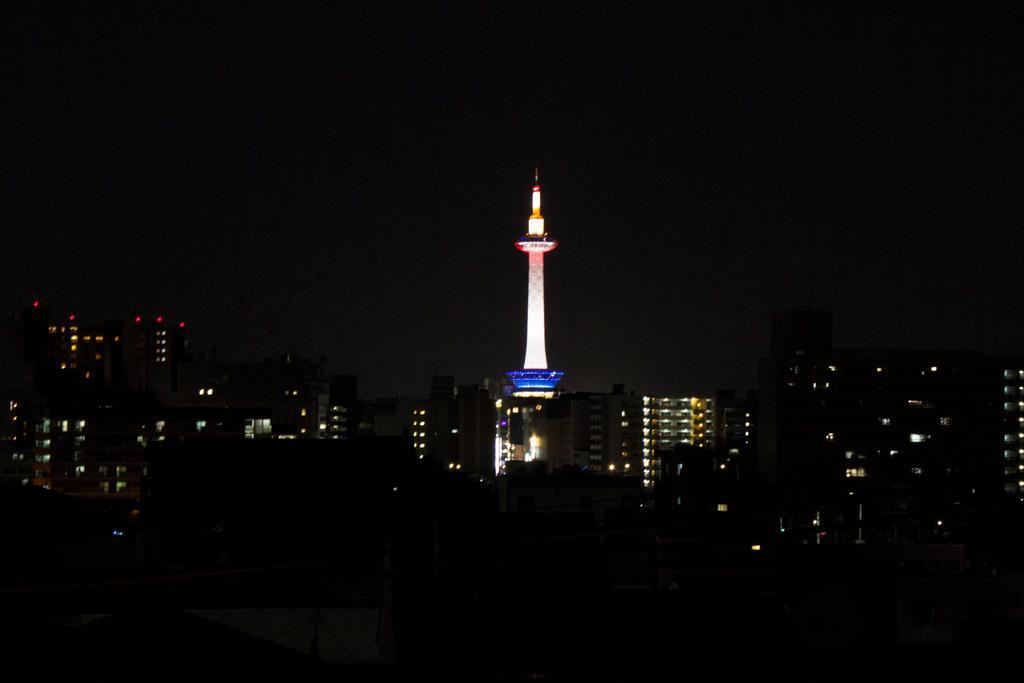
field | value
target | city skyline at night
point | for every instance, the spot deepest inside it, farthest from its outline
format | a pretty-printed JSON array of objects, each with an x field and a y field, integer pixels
[
  {"x": 307, "y": 182},
  {"x": 279, "y": 400}
]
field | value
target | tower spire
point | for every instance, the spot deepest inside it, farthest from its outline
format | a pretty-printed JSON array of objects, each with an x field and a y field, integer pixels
[{"x": 536, "y": 225}]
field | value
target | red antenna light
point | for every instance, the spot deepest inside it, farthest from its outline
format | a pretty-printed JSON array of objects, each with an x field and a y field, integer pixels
[
  {"x": 71, "y": 317},
  {"x": 181, "y": 324},
  {"x": 159, "y": 318},
  {"x": 138, "y": 319},
  {"x": 35, "y": 304}
]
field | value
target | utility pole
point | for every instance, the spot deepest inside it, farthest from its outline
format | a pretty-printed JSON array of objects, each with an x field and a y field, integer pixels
[{"x": 314, "y": 645}]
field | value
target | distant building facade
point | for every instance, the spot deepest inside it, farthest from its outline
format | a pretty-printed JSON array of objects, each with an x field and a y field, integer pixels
[
  {"x": 101, "y": 451},
  {"x": 736, "y": 431},
  {"x": 674, "y": 421},
  {"x": 614, "y": 433},
  {"x": 295, "y": 391},
  {"x": 903, "y": 433}
]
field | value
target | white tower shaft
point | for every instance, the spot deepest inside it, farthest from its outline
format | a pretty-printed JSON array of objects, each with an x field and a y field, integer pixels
[{"x": 536, "y": 355}]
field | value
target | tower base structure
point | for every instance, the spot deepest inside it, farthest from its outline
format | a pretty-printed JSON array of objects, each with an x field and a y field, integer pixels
[{"x": 539, "y": 383}]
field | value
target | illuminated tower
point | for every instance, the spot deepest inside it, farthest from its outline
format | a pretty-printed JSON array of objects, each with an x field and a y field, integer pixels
[{"x": 535, "y": 379}]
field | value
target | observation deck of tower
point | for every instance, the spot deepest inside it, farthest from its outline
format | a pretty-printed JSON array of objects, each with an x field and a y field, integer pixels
[{"x": 535, "y": 379}]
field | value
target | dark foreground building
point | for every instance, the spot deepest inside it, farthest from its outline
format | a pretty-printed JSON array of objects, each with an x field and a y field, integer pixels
[{"x": 906, "y": 439}]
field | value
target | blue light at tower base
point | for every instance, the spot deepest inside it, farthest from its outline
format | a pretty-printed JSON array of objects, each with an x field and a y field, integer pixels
[{"x": 539, "y": 382}]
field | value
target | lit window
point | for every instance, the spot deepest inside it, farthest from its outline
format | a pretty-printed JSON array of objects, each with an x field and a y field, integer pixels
[
  {"x": 919, "y": 438},
  {"x": 831, "y": 436},
  {"x": 856, "y": 472},
  {"x": 200, "y": 425},
  {"x": 723, "y": 507}
]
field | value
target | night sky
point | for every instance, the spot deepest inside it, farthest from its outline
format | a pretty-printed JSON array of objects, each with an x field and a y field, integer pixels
[{"x": 348, "y": 180}]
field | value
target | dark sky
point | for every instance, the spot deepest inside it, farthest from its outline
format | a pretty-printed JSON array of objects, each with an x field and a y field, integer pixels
[{"x": 349, "y": 179}]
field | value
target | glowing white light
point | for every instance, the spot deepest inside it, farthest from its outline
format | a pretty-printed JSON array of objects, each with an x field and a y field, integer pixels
[{"x": 534, "y": 453}]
